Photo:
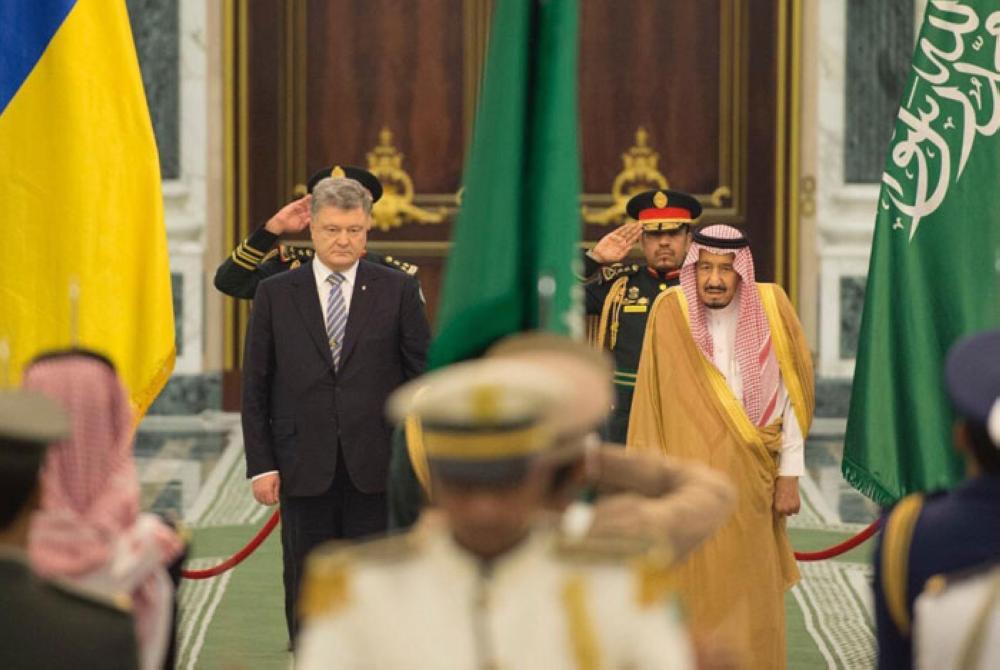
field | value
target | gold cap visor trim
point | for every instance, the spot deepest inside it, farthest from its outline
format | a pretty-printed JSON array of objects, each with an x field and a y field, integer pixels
[{"x": 486, "y": 445}]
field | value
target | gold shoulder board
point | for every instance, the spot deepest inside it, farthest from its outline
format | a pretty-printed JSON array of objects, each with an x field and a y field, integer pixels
[{"x": 408, "y": 268}]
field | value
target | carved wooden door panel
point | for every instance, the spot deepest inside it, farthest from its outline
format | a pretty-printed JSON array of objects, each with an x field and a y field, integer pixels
[{"x": 690, "y": 95}]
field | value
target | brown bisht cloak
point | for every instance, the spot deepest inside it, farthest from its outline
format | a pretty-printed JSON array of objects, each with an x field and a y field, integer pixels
[{"x": 733, "y": 585}]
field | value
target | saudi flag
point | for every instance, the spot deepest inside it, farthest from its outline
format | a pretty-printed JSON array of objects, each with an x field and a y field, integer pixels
[
  {"x": 517, "y": 234},
  {"x": 933, "y": 275}
]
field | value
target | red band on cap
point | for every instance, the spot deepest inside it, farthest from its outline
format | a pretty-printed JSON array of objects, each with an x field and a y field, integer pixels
[{"x": 664, "y": 213}]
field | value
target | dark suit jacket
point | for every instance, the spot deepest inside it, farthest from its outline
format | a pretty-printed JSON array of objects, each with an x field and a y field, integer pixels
[
  {"x": 296, "y": 407},
  {"x": 47, "y": 625}
]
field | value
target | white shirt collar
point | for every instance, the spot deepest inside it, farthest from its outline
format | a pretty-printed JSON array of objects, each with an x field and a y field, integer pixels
[{"x": 321, "y": 271}]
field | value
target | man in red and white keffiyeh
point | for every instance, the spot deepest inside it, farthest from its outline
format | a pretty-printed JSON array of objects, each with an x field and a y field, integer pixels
[
  {"x": 730, "y": 327},
  {"x": 89, "y": 529}
]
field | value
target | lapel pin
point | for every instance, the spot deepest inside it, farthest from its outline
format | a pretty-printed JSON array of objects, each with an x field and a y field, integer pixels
[{"x": 364, "y": 287}]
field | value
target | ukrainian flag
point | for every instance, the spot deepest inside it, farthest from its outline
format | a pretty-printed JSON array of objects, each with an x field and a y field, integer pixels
[{"x": 80, "y": 202}]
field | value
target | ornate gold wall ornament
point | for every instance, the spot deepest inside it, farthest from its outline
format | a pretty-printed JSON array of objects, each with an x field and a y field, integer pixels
[
  {"x": 396, "y": 207},
  {"x": 640, "y": 173},
  {"x": 720, "y": 194}
]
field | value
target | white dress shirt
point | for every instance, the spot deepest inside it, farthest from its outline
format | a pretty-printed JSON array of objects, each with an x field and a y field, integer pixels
[
  {"x": 323, "y": 287},
  {"x": 722, "y": 327},
  {"x": 321, "y": 272}
]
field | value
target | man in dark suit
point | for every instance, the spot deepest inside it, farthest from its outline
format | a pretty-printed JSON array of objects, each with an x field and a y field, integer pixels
[
  {"x": 45, "y": 624},
  {"x": 326, "y": 345}
]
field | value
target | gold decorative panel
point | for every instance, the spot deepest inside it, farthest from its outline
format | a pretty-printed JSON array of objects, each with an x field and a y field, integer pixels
[{"x": 396, "y": 205}]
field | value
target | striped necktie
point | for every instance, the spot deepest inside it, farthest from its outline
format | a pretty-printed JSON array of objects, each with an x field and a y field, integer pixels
[{"x": 336, "y": 316}]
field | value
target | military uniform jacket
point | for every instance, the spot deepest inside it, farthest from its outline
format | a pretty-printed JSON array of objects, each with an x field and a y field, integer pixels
[
  {"x": 618, "y": 300},
  {"x": 940, "y": 535},
  {"x": 420, "y": 601},
  {"x": 957, "y": 621},
  {"x": 46, "y": 624},
  {"x": 254, "y": 260}
]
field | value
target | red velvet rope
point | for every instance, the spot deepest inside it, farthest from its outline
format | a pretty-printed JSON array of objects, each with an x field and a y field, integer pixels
[
  {"x": 258, "y": 539},
  {"x": 239, "y": 556},
  {"x": 843, "y": 547}
]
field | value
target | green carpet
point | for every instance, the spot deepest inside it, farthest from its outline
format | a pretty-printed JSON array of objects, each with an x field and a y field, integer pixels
[
  {"x": 828, "y": 624},
  {"x": 237, "y": 620}
]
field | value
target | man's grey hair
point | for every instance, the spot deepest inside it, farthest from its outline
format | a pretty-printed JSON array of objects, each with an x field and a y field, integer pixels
[{"x": 341, "y": 193}]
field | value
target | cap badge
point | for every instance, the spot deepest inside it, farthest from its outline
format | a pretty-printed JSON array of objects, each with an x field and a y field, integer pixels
[
  {"x": 660, "y": 200},
  {"x": 485, "y": 403},
  {"x": 337, "y": 172}
]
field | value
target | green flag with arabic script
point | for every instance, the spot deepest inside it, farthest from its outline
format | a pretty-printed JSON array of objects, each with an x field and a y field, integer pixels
[{"x": 933, "y": 274}]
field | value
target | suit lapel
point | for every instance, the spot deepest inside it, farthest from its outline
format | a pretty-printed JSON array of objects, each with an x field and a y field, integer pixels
[
  {"x": 362, "y": 300},
  {"x": 306, "y": 299}
]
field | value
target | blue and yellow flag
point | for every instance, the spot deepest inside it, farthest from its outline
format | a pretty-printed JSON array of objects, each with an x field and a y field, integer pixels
[{"x": 80, "y": 203}]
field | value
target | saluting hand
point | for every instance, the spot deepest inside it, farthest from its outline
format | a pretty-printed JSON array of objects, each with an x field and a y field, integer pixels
[
  {"x": 292, "y": 218},
  {"x": 786, "y": 496},
  {"x": 614, "y": 246}
]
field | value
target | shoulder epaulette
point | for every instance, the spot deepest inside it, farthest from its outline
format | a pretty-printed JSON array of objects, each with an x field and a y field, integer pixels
[
  {"x": 610, "y": 273},
  {"x": 119, "y": 603},
  {"x": 327, "y": 586},
  {"x": 295, "y": 254},
  {"x": 393, "y": 262},
  {"x": 897, "y": 536}
]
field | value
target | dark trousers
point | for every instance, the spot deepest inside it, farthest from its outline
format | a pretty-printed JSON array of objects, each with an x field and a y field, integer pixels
[
  {"x": 341, "y": 513},
  {"x": 287, "y": 574},
  {"x": 616, "y": 426}
]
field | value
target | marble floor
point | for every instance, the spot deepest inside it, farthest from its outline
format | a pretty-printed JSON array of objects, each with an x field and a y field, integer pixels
[
  {"x": 192, "y": 468},
  {"x": 176, "y": 456}
]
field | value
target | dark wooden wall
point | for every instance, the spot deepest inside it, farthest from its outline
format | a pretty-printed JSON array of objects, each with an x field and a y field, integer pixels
[
  {"x": 386, "y": 63},
  {"x": 324, "y": 77}
]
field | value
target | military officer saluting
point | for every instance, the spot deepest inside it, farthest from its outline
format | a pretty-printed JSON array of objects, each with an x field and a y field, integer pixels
[
  {"x": 619, "y": 295},
  {"x": 485, "y": 581},
  {"x": 255, "y": 259}
]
